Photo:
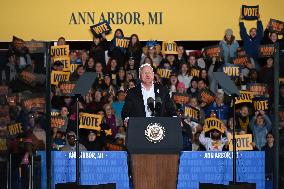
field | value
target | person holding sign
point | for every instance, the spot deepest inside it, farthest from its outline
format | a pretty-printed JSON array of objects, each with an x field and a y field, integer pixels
[
  {"x": 269, "y": 37},
  {"x": 228, "y": 46},
  {"x": 215, "y": 142},
  {"x": 253, "y": 40},
  {"x": 147, "y": 99},
  {"x": 260, "y": 126},
  {"x": 117, "y": 52},
  {"x": 98, "y": 49},
  {"x": 61, "y": 41}
]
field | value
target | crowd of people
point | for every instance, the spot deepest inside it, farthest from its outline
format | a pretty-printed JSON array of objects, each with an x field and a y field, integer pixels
[{"x": 117, "y": 71}]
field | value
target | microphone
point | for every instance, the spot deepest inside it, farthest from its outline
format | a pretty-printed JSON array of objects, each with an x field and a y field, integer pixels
[
  {"x": 158, "y": 106},
  {"x": 150, "y": 104}
]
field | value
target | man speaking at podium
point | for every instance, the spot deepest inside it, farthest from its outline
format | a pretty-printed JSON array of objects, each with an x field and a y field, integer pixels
[{"x": 148, "y": 99}]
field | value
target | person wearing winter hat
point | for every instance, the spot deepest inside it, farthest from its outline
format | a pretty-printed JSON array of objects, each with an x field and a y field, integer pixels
[{"x": 229, "y": 46}]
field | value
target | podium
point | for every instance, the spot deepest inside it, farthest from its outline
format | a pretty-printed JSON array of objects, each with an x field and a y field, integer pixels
[{"x": 154, "y": 145}]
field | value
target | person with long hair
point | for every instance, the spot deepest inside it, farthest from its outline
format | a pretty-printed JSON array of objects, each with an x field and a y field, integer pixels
[
  {"x": 182, "y": 57},
  {"x": 229, "y": 46},
  {"x": 84, "y": 56},
  {"x": 184, "y": 75},
  {"x": 132, "y": 68},
  {"x": 117, "y": 52},
  {"x": 204, "y": 75},
  {"x": 98, "y": 49},
  {"x": 112, "y": 69},
  {"x": 134, "y": 50},
  {"x": 90, "y": 65}
]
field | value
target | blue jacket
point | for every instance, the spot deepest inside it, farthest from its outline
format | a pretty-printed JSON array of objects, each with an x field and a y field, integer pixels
[
  {"x": 260, "y": 132},
  {"x": 228, "y": 51},
  {"x": 251, "y": 44},
  {"x": 222, "y": 112}
]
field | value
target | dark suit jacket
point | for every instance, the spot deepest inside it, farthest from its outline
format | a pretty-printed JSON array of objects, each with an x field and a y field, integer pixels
[{"x": 134, "y": 104}]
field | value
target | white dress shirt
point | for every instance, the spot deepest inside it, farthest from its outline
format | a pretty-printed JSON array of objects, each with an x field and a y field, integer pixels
[{"x": 146, "y": 94}]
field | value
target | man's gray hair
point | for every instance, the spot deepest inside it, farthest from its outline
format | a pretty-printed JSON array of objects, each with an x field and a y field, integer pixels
[{"x": 144, "y": 65}]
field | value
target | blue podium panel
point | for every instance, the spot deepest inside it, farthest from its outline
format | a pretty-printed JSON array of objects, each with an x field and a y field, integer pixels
[
  {"x": 96, "y": 168},
  {"x": 216, "y": 167},
  {"x": 195, "y": 167}
]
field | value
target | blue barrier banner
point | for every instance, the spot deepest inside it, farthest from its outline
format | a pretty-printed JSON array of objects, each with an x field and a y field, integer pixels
[
  {"x": 217, "y": 168},
  {"x": 195, "y": 167},
  {"x": 96, "y": 168}
]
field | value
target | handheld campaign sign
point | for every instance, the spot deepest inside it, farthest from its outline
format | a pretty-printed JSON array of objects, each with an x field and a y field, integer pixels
[
  {"x": 54, "y": 112},
  {"x": 90, "y": 121},
  {"x": 276, "y": 26},
  {"x": 250, "y": 12},
  {"x": 15, "y": 129},
  {"x": 102, "y": 27},
  {"x": 180, "y": 98},
  {"x": 231, "y": 71},
  {"x": 66, "y": 87},
  {"x": 59, "y": 51},
  {"x": 37, "y": 102},
  {"x": 212, "y": 51},
  {"x": 57, "y": 121},
  {"x": 192, "y": 113},
  {"x": 244, "y": 142},
  {"x": 169, "y": 48},
  {"x": 35, "y": 46},
  {"x": 206, "y": 96},
  {"x": 261, "y": 103},
  {"x": 195, "y": 72},
  {"x": 121, "y": 42},
  {"x": 266, "y": 50},
  {"x": 245, "y": 96},
  {"x": 258, "y": 89},
  {"x": 59, "y": 76},
  {"x": 164, "y": 73},
  {"x": 242, "y": 61},
  {"x": 213, "y": 123},
  {"x": 65, "y": 60}
]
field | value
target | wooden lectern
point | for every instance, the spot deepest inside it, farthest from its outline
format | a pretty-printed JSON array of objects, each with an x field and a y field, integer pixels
[{"x": 154, "y": 145}]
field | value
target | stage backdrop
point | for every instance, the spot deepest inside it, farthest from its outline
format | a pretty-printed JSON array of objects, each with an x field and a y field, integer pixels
[{"x": 158, "y": 19}]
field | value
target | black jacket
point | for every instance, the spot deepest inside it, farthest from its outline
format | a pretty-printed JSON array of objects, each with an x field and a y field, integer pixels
[{"x": 134, "y": 104}]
